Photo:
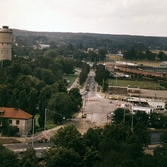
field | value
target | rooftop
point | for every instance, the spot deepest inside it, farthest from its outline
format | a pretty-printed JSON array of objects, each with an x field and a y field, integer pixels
[{"x": 14, "y": 113}]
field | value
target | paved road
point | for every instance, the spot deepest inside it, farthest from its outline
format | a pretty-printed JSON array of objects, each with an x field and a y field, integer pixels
[{"x": 95, "y": 106}]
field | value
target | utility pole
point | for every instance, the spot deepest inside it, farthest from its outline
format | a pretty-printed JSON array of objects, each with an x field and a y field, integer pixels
[
  {"x": 132, "y": 117},
  {"x": 1, "y": 64},
  {"x": 45, "y": 120},
  {"x": 33, "y": 132},
  {"x": 124, "y": 115}
]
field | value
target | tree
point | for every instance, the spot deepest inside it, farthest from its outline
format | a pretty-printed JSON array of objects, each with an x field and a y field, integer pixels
[
  {"x": 32, "y": 102},
  {"x": 14, "y": 99},
  {"x": 8, "y": 157},
  {"x": 42, "y": 106},
  {"x": 76, "y": 96},
  {"x": 61, "y": 157},
  {"x": 4, "y": 96},
  {"x": 26, "y": 69},
  {"x": 143, "y": 135},
  {"x": 102, "y": 53},
  {"x": 62, "y": 103},
  {"x": 51, "y": 54},
  {"x": 29, "y": 158},
  {"x": 47, "y": 76},
  {"x": 58, "y": 86},
  {"x": 93, "y": 138},
  {"x": 65, "y": 136},
  {"x": 160, "y": 155},
  {"x": 68, "y": 66},
  {"x": 119, "y": 114},
  {"x": 163, "y": 137},
  {"x": 23, "y": 100},
  {"x": 161, "y": 55}
]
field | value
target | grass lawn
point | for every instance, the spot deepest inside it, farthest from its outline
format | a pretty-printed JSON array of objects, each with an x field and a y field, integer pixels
[
  {"x": 71, "y": 78},
  {"x": 36, "y": 120},
  {"x": 49, "y": 125},
  {"x": 153, "y": 85}
]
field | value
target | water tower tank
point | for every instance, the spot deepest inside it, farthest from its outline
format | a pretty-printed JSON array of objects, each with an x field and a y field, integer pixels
[{"x": 6, "y": 43}]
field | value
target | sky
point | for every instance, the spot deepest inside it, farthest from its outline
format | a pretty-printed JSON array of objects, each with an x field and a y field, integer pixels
[{"x": 129, "y": 17}]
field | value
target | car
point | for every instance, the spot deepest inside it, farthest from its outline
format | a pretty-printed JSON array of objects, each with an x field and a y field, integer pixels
[
  {"x": 110, "y": 101},
  {"x": 84, "y": 115},
  {"x": 43, "y": 139}
]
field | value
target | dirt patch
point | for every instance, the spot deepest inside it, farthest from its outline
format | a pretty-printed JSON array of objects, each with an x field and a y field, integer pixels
[
  {"x": 8, "y": 140},
  {"x": 83, "y": 124}
]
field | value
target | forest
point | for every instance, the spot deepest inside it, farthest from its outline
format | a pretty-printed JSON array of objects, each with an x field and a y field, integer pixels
[{"x": 113, "y": 43}]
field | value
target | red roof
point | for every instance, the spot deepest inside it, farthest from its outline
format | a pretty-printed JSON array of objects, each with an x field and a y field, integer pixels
[{"x": 14, "y": 113}]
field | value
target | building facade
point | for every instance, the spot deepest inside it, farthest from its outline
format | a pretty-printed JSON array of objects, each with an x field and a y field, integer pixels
[
  {"x": 16, "y": 117},
  {"x": 6, "y": 43}
]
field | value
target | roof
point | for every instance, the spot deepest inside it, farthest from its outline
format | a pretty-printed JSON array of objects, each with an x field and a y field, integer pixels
[{"x": 14, "y": 113}]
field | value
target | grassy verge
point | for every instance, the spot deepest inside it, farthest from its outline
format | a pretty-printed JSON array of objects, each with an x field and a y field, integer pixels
[
  {"x": 71, "y": 78},
  {"x": 49, "y": 125}
]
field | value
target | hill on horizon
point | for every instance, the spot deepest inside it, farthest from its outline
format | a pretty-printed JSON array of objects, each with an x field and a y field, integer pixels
[{"x": 93, "y": 40}]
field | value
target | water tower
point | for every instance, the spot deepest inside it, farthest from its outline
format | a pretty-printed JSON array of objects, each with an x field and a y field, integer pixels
[{"x": 5, "y": 43}]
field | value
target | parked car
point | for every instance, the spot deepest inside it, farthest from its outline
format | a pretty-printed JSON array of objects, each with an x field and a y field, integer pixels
[
  {"x": 84, "y": 115},
  {"x": 43, "y": 139}
]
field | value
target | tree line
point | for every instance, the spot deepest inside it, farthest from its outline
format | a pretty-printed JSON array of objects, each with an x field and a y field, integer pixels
[
  {"x": 36, "y": 84},
  {"x": 133, "y": 54},
  {"x": 115, "y": 145},
  {"x": 112, "y": 42}
]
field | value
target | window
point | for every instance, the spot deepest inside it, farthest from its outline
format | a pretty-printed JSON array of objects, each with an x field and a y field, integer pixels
[
  {"x": 10, "y": 121},
  {"x": 17, "y": 122}
]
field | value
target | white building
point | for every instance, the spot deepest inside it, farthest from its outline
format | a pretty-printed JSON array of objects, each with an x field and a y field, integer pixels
[
  {"x": 148, "y": 110},
  {"x": 158, "y": 105}
]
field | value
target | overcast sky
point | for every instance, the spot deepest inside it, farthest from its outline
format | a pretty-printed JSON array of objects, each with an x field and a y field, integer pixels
[{"x": 131, "y": 17}]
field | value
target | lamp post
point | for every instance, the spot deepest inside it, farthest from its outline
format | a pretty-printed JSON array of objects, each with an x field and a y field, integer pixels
[
  {"x": 33, "y": 132},
  {"x": 132, "y": 117},
  {"x": 124, "y": 115},
  {"x": 45, "y": 120},
  {"x": 52, "y": 112},
  {"x": 132, "y": 122}
]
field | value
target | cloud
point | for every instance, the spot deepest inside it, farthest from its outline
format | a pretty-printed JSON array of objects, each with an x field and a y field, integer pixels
[{"x": 99, "y": 16}]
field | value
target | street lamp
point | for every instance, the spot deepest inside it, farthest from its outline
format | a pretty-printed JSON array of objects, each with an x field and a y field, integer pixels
[
  {"x": 52, "y": 112},
  {"x": 124, "y": 115},
  {"x": 33, "y": 132},
  {"x": 131, "y": 110}
]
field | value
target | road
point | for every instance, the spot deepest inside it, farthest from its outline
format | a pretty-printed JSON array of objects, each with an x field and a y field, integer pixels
[
  {"x": 21, "y": 147},
  {"x": 95, "y": 106}
]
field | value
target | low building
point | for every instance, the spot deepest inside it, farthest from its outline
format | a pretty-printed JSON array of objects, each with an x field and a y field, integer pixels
[
  {"x": 16, "y": 117},
  {"x": 158, "y": 105},
  {"x": 147, "y": 110},
  {"x": 163, "y": 64}
]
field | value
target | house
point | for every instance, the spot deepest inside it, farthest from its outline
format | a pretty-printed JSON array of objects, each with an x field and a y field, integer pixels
[{"x": 16, "y": 117}]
